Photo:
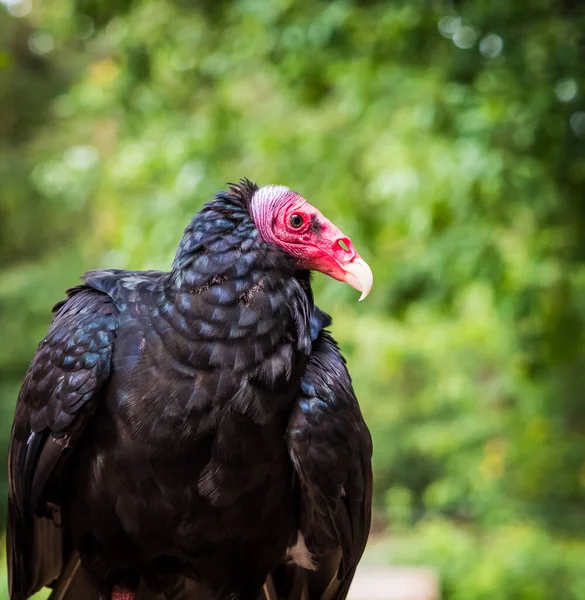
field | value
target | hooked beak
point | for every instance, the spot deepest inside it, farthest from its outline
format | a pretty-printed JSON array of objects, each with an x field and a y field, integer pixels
[
  {"x": 359, "y": 275},
  {"x": 330, "y": 252}
]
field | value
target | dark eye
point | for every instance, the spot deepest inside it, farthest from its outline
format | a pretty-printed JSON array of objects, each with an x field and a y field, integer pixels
[{"x": 296, "y": 221}]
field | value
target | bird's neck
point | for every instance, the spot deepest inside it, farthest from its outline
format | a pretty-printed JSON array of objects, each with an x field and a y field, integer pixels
[
  {"x": 222, "y": 244},
  {"x": 224, "y": 273}
]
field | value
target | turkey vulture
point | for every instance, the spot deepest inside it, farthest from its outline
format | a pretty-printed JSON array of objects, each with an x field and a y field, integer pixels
[{"x": 195, "y": 434}]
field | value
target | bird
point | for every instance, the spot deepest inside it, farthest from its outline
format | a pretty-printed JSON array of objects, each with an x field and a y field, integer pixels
[{"x": 194, "y": 434}]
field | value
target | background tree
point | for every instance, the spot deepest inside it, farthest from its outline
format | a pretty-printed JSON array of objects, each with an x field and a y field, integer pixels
[{"x": 448, "y": 138}]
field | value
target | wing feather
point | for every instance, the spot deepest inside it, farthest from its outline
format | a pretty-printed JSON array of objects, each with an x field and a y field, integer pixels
[
  {"x": 331, "y": 448},
  {"x": 58, "y": 396}
]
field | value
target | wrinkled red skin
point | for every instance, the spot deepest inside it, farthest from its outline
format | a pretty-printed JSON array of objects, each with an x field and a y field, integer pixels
[{"x": 317, "y": 243}]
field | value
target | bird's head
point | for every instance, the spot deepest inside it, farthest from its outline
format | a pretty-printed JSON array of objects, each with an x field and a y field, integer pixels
[{"x": 286, "y": 220}]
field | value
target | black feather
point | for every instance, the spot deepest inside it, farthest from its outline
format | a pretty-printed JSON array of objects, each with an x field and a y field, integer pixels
[{"x": 331, "y": 449}]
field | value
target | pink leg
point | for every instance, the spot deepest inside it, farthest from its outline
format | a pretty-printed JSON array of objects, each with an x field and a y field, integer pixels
[{"x": 120, "y": 593}]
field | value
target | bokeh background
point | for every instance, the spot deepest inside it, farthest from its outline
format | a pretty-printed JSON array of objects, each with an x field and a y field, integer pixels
[{"x": 446, "y": 138}]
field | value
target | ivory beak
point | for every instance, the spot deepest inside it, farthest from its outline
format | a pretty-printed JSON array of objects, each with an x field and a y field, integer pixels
[{"x": 359, "y": 275}]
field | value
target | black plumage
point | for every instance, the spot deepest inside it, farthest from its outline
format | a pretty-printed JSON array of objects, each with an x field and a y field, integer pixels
[{"x": 190, "y": 426}]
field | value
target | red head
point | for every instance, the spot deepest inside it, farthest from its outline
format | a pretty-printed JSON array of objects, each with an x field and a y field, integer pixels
[{"x": 289, "y": 222}]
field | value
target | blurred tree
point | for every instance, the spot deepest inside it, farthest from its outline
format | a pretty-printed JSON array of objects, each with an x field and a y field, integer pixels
[{"x": 448, "y": 138}]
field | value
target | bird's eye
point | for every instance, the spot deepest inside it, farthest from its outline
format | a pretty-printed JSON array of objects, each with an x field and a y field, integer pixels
[{"x": 296, "y": 221}]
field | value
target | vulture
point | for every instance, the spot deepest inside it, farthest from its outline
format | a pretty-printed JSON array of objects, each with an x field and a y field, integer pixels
[{"x": 194, "y": 434}]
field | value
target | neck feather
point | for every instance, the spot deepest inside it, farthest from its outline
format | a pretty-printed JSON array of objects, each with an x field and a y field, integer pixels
[{"x": 223, "y": 242}]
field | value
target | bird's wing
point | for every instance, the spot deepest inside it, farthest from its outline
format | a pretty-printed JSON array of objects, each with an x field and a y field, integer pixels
[
  {"x": 331, "y": 448},
  {"x": 58, "y": 397}
]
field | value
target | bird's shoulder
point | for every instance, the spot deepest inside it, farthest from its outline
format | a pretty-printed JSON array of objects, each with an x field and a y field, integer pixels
[
  {"x": 125, "y": 286},
  {"x": 70, "y": 359}
]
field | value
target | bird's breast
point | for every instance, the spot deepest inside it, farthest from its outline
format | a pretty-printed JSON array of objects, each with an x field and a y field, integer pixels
[{"x": 180, "y": 364}]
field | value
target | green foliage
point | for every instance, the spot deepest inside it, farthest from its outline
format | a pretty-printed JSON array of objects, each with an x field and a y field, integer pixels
[
  {"x": 513, "y": 562},
  {"x": 449, "y": 144}
]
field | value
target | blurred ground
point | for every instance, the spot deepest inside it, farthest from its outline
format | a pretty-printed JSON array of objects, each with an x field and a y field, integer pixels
[
  {"x": 375, "y": 580},
  {"x": 387, "y": 583}
]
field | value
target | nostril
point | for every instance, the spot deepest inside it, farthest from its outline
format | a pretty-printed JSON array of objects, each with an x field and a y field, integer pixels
[{"x": 343, "y": 245}]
